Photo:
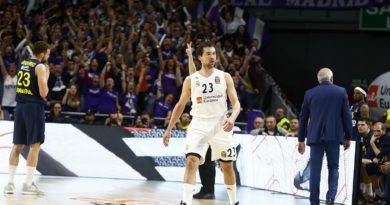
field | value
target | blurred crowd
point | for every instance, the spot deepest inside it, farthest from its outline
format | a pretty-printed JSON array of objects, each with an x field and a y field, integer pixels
[
  {"x": 124, "y": 57},
  {"x": 122, "y": 63}
]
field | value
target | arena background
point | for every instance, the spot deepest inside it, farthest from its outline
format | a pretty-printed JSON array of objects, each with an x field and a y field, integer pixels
[{"x": 264, "y": 162}]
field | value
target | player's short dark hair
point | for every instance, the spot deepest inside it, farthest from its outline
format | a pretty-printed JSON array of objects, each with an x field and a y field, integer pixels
[
  {"x": 40, "y": 47},
  {"x": 147, "y": 113},
  {"x": 199, "y": 48}
]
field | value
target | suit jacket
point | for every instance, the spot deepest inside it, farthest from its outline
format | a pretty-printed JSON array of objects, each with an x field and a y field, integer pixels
[{"x": 325, "y": 115}]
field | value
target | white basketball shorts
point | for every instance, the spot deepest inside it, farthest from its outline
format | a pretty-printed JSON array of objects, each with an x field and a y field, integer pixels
[{"x": 205, "y": 132}]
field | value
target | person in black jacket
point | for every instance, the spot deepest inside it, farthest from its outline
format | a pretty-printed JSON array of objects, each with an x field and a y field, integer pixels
[{"x": 207, "y": 178}]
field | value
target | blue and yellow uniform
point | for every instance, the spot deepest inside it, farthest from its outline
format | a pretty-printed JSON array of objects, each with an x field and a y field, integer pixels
[
  {"x": 29, "y": 125},
  {"x": 355, "y": 111}
]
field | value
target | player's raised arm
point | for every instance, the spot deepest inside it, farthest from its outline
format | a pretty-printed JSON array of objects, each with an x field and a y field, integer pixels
[{"x": 191, "y": 64}]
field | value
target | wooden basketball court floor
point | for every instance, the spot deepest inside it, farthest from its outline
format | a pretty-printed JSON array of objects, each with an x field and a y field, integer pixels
[{"x": 99, "y": 191}]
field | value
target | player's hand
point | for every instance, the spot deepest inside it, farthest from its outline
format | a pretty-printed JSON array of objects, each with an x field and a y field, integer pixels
[
  {"x": 347, "y": 144},
  {"x": 385, "y": 168},
  {"x": 167, "y": 136},
  {"x": 228, "y": 125},
  {"x": 189, "y": 49},
  {"x": 373, "y": 139},
  {"x": 382, "y": 169},
  {"x": 301, "y": 147}
]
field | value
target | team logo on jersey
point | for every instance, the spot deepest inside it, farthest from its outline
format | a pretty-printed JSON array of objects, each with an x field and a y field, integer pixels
[
  {"x": 217, "y": 80},
  {"x": 199, "y": 100},
  {"x": 223, "y": 154},
  {"x": 197, "y": 83}
]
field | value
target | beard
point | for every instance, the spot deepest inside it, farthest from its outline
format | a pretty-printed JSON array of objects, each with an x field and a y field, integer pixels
[
  {"x": 44, "y": 60},
  {"x": 210, "y": 65}
]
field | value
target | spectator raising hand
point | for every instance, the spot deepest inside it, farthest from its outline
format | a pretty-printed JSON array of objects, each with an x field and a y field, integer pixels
[{"x": 125, "y": 57}]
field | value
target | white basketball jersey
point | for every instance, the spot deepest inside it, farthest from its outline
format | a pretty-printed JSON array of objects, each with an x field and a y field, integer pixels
[{"x": 208, "y": 95}]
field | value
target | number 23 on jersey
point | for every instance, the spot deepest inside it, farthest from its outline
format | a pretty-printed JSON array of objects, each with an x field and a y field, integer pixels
[{"x": 24, "y": 79}]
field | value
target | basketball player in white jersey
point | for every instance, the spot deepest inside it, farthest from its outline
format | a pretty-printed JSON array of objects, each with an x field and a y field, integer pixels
[{"x": 208, "y": 89}]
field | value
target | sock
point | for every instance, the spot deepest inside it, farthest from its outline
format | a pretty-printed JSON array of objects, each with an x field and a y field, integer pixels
[
  {"x": 11, "y": 173},
  {"x": 187, "y": 193},
  {"x": 232, "y": 193},
  {"x": 29, "y": 175},
  {"x": 369, "y": 191},
  {"x": 378, "y": 192},
  {"x": 363, "y": 188}
]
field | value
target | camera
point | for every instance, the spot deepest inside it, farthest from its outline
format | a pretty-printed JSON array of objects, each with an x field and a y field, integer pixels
[
  {"x": 144, "y": 120},
  {"x": 113, "y": 121}
]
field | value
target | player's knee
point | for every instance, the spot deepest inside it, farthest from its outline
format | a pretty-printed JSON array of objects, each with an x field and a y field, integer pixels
[
  {"x": 18, "y": 148},
  {"x": 192, "y": 162},
  {"x": 227, "y": 167},
  {"x": 35, "y": 146}
]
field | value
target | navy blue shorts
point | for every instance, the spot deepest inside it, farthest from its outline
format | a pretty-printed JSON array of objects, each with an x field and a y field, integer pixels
[
  {"x": 29, "y": 123},
  {"x": 373, "y": 169}
]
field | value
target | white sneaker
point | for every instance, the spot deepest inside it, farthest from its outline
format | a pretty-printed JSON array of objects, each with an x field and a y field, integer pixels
[
  {"x": 31, "y": 190},
  {"x": 9, "y": 189}
]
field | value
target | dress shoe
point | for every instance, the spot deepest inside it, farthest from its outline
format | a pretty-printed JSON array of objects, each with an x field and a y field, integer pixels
[
  {"x": 204, "y": 195},
  {"x": 329, "y": 202}
]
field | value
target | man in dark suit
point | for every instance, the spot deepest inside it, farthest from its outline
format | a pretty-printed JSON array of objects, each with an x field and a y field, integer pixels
[{"x": 326, "y": 107}]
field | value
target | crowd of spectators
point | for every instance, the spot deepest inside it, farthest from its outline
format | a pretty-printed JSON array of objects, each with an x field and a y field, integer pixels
[
  {"x": 275, "y": 125},
  {"x": 125, "y": 57}
]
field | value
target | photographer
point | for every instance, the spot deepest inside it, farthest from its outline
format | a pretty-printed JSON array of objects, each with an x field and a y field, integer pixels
[
  {"x": 89, "y": 118},
  {"x": 114, "y": 120},
  {"x": 145, "y": 120}
]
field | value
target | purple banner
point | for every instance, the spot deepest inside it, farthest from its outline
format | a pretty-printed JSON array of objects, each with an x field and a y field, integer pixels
[{"x": 318, "y": 4}]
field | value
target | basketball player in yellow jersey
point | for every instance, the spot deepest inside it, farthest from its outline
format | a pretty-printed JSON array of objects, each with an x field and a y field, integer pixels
[{"x": 208, "y": 89}]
